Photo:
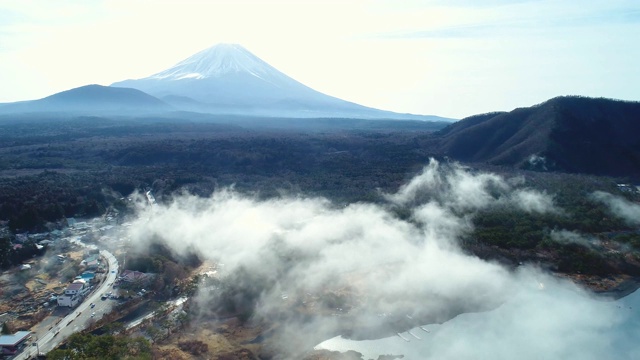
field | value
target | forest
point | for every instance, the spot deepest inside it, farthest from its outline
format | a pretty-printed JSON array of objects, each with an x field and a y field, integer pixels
[{"x": 80, "y": 167}]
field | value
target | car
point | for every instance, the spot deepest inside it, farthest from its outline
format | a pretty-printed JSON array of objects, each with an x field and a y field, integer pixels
[
  {"x": 93, "y": 305},
  {"x": 93, "y": 314}
]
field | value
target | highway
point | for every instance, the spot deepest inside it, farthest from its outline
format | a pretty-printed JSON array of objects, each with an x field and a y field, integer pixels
[{"x": 78, "y": 319}]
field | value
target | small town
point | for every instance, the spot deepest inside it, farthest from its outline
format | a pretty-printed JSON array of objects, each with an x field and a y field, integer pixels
[{"x": 70, "y": 282}]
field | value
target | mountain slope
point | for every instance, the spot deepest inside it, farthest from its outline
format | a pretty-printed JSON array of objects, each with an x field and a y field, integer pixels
[
  {"x": 227, "y": 78},
  {"x": 575, "y": 134},
  {"x": 91, "y": 99}
]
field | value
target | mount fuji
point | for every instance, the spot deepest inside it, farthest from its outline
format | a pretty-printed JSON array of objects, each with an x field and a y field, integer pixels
[{"x": 228, "y": 79}]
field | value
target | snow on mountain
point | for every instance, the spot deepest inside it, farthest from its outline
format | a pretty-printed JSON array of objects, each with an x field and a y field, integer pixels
[
  {"x": 217, "y": 61},
  {"x": 227, "y": 78}
]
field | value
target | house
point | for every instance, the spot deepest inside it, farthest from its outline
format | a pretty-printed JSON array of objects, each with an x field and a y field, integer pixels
[
  {"x": 73, "y": 294},
  {"x": 56, "y": 233},
  {"x": 13, "y": 344},
  {"x": 92, "y": 262},
  {"x": 38, "y": 237},
  {"x": 25, "y": 267},
  {"x": 82, "y": 225},
  {"x": 133, "y": 276}
]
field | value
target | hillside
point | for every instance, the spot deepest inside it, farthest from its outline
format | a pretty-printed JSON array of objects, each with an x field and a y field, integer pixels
[
  {"x": 574, "y": 134},
  {"x": 93, "y": 100}
]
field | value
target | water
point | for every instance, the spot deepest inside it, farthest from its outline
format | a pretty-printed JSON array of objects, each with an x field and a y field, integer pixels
[{"x": 558, "y": 322}]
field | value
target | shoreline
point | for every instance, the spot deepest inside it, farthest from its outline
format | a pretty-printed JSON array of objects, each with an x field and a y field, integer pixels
[{"x": 625, "y": 288}]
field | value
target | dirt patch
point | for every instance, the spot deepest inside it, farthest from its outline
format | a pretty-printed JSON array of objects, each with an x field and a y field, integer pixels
[{"x": 227, "y": 339}]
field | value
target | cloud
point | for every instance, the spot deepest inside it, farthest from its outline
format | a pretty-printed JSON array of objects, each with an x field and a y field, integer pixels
[
  {"x": 544, "y": 318},
  {"x": 455, "y": 187},
  {"x": 521, "y": 18},
  {"x": 452, "y": 186},
  {"x": 622, "y": 208},
  {"x": 572, "y": 237},
  {"x": 318, "y": 270},
  {"x": 533, "y": 201}
]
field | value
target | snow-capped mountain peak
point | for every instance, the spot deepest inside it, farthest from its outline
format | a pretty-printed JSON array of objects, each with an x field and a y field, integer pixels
[
  {"x": 228, "y": 79},
  {"x": 216, "y": 61}
]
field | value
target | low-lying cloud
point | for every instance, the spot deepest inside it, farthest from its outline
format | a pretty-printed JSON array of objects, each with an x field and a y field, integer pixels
[
  {"x": 356, "y": 268},
  {"x": 621, "y": 207},
  {"x": 455, "y": 187},
  {"x": 572, "y": 237}
]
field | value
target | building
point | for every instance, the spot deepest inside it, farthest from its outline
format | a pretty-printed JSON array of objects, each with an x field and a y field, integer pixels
[
  {"x": 13, "y": 344},
  {"x": 92, "y": 262},
  {"x": 88, "y": 276},
  {"x": 73, "y": 294},
  {"x": 133, "y": 276}
]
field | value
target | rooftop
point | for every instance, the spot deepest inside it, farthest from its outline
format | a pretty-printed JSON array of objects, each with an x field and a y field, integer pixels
[
  {"x": 75, "y": 286},
  {"x": 12, "y": 340}
]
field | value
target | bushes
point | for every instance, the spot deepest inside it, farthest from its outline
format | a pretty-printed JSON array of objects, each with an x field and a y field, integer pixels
[{"x": 193, "y": 347}]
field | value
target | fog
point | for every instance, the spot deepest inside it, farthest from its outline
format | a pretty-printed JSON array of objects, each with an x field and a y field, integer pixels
[
  {"x": 572, "y": 237},
  {"x": 457, "y": 188},
  {"x": 620, "y": 207},
  {"x": 363, "y": 271}
]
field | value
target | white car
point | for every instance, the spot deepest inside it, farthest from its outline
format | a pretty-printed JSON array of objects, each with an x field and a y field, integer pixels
[{"x": 93, "y": 314}]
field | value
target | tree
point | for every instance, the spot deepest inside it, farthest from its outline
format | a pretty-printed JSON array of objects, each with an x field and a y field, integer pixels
[
  {"x": 154, "y": 333},
  {"x": 6, "y": 329},
  {"x": 5, "y": 253},
  {"x": 182, "y": 318},
  {"x": 88, "y": 346}
]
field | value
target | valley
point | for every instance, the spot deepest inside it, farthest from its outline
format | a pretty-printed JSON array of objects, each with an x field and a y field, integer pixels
[
  {"x": 220, "y": 209},
  {"x": 99, "y": 162}
]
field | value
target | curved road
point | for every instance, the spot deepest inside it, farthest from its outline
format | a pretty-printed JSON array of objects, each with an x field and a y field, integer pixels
[{"x": 79, "y": 317}]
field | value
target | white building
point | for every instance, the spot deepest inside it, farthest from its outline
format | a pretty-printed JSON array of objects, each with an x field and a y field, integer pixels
[{"x": 73, "y": 294}]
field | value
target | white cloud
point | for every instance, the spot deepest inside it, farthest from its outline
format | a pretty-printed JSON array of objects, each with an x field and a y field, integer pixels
[
  {"x": 373, "y": 261},
  {"x": 543, "y": 318},
  {"x": 572, "y": 237},
  {"x": 533, "y": 201},
  {"x": 623, "y": 208},
  {"x": 454, "y": 187}
]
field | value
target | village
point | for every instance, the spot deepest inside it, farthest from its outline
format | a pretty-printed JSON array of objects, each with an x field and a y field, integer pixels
[{"x": 70, "y": 267}]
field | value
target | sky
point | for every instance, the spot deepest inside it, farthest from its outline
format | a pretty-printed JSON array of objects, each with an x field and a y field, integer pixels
[{"x": 451, "y": 58}]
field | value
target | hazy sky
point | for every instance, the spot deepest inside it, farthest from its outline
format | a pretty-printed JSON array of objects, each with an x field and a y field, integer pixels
[{"x": 445, "y": 57}]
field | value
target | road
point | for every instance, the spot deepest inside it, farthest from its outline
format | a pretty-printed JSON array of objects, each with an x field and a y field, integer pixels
[{"x": 78, "y": 318}]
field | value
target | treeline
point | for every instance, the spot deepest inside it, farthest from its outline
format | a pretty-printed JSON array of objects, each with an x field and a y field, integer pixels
[
  {"x": 116, "y": 347},
  {"x": 91, "y": 174},
  {"x": 524, "y": 236},
  {"x": 13, "y": 255},
  {"x": 171, "y": 269}
]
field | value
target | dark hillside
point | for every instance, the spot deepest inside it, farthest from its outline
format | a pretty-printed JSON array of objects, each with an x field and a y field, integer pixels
[
  {"x": 574, "y": 134},
  {"x": 93, "y": 100}
]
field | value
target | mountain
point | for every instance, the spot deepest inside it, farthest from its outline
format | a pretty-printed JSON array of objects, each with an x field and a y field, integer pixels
[
  {"x": 574, "y": 134},
  {"x": 92, "y": 99},
  {"x": 227, "y": 78}
]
